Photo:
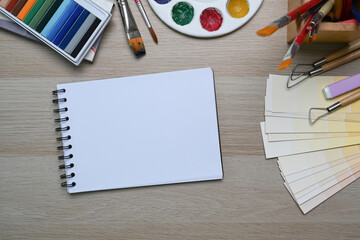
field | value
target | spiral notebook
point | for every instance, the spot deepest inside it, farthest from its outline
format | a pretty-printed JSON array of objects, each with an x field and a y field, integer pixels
[{"x": 139, "y": 131}]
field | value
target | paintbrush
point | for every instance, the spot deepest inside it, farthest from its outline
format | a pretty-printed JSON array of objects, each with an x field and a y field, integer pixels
[
  {"x": 287, "y": 18},
  {"x": 311, "y": 11},
  {"x": 338, "y": 4},
  {"x": 323, "y": 11},
  {"x": 146, "y": 19},
  {"x": 132, "y": 33},
  {"x": 313, "y": 32},
  {"x": 294, "y": 47}
]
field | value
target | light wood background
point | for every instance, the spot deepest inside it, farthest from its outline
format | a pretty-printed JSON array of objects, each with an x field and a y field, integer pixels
[{"x": 249, "y": 203}]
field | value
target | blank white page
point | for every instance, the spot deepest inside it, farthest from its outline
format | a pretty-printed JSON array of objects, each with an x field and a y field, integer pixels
[{"x": 143, "y": 130}]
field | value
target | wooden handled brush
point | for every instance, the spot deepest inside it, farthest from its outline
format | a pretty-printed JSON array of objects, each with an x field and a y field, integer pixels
[
  {"x": 146, "y": 19},
  {"x": 323, "y": 11},
  {"x": 341, "y": 61},
  {"x": 296, "y": 74},
  {"x": 132, "y": 33},
  {"x": 340, "y": 104},
  {"x": 339, "y": 53},
  {"x": 323, "y": 68}
]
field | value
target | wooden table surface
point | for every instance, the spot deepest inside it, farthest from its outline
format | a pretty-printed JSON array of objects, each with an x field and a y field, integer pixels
[{"x": 249, "y": 203}]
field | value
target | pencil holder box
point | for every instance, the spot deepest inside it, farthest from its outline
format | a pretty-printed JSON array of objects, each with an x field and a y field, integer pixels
[
  {"x": 330, "y": 32},
  {"x": 70, "y": 27}
]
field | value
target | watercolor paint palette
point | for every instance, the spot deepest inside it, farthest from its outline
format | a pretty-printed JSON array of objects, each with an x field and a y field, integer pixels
[
  {"x": 205, "y": 18},
  {"x": 70, "y": 27}
]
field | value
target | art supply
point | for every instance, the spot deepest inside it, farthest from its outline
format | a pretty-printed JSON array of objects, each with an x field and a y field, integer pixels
[
  {"x": 346, "y": 9},
  {"x": 4, "y": 3},
  {"x": 341, "y": 87},
  {"x": 35, "y": 16},
  {"x": 323, "y": 196},
  {"x": 292, "y": 105},
  {"x": 18, "y": 7},
  {"x": 311, "y": 11},
  {"x": 182, "y": 13},
  {"x": 356, "y": 12},
  {"x": 342, "y": 103},
  {"x": 313, "y": 32},
  {"x": 211, "y": 19},
  {"x": 326, "y": 157},
  {"x": 284, "y": 148},
  {"x": 293, "y": 164},
  {"x": 278, "y": 137},
  {"x": 33, "y": 11},
  {"x": 8, "y": 24},
  {"x": 56, "y": 17},
  {"x": 313, "y": 181},
  {"x": 296, "y": 74},
  {"x": 10, "y": 6},
  {"x": 238, "y": 8},
  {"x": 294, "y": 47},
  {"x": 305, "y": 192},
  {"x": 323, "y": 11},
  {"x": 164, "y": 130},
  {"x": 338, "y": 4},
  {"x": 205, "y": 19},
  {"x": 276, "y": 124},
  {"x": 26, "y": 9},
  {"x": 323, "y": 68},
  {"x": 146, "y": 19},
  {"x": 48, "y": 15},
  {"x": 287, "y": 18},
  {"x": 132, "y": 32}
]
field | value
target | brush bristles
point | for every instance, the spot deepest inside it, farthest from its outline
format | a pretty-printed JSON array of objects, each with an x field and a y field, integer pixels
[
  {"x": 285, "y": 64},
  {"x": 152, "y": 32},
  {"x": 267, "y": 31},
  {"x": 137, "y": 46}
]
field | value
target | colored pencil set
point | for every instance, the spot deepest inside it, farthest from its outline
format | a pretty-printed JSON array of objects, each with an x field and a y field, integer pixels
[{"x": 312, "y": 13}]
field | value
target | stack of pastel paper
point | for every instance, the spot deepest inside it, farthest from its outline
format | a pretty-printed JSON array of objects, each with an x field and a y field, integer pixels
[{"x": 316, "y": 161}]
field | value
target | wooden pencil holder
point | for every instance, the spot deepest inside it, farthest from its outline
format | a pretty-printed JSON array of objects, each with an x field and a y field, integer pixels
[{"x": 328, "y": 32}]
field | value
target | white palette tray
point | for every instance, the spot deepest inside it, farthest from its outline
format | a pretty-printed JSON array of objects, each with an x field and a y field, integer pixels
[{"x": 194, "y": 28}]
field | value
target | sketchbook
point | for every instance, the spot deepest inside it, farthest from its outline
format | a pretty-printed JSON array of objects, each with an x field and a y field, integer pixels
[{"x": 138, "y": 131}]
